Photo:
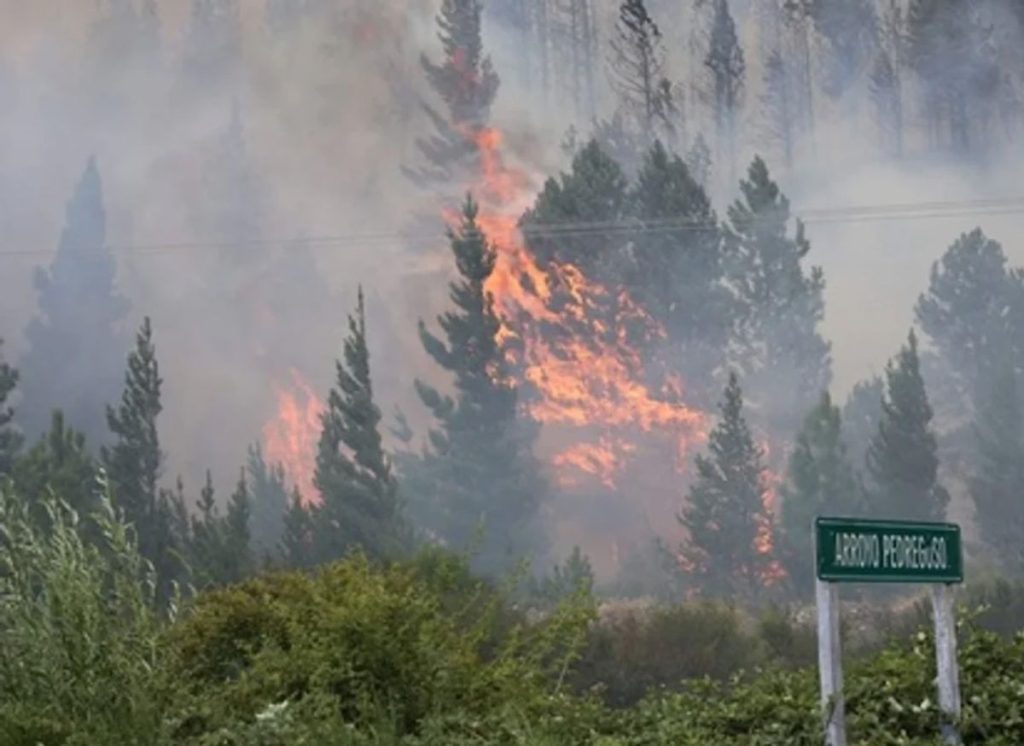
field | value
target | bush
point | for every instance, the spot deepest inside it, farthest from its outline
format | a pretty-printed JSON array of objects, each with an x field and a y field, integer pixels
[{"x": 77, "y": 631}]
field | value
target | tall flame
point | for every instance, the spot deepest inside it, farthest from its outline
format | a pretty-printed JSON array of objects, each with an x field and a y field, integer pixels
[{"x": 290, "y": 438}]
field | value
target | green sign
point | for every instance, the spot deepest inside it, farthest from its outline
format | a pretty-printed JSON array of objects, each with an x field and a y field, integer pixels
[{"x": 863, "y": 551}]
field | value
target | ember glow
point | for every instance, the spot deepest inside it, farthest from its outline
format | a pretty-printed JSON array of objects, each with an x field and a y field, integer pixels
[{"x": 290, "y": 438}]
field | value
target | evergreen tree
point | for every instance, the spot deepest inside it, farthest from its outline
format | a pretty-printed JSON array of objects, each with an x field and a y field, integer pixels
[
  {"x": 967, "y": 314},
  {"x": 851, "y": 29},
  {"x": 725, "y": 61},
  {"x": 353, "y": 474},
  {"x": 269, "y": 502},
  {"x": 237, "y": 534},
  {"x": 10, "y": 438},
  {"x": 134, "y": 462},
  {"x": 996, "y": 484},
  {"x": 466, "y": 83},
  {"x": 861, "y": 414},
  {"x": 903, "y": 460},
  {"x": 220, "y": 546},
  {"x": 677, "y": 274},
  {"x": 820, "y": 481},
  {"x": 777, "y": 106},
  {"x": 725, "y": 514},
  {"x": 297, "y": 541},
  {"x": 60, "y": 463},
  {"x": 638, "y": 71},
  {"x": 779, "y": 305},
  {"x": 479, "y": 473},
  {"x": 73, "y": 342}
]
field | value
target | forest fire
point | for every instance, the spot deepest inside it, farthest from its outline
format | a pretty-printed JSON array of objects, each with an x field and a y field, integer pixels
[
  {"x": 290, "y": 438},
  {"x": 586, "y": 377}
]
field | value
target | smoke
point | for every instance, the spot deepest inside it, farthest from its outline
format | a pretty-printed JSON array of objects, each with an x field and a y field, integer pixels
[{"x": 329, "y": 106}]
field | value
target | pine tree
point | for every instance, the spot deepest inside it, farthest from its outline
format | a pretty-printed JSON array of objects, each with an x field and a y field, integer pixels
[
  {"x": 967, "y": 314},
  {"x": 725, "y": 514},
  {"x": 725, "y": 61},
  {"x": 851, "y": 29},
  {"x": 999, "y": 472},
  {"x": 59, "y": 462},
  {"x": 902, "y": 459},
  {"x": 638, "y": 71},
  {"x": 820, "y": 481},
  {"x": 466, "y": 83},
  {"x": 479, "y": 473},
  {"x": 677, "y": 275},
  {"x": 353, "y": 474},
  {"x": 269, "y": 502},
  {"x": 780, "y": 306},
  {"x": 237, "y": 535},
  {"x": 134, "y": 463},
  {"x": 777, "y": 106},
  {"x": 10, "y": 437},
  {"x": 74, "y": 346},
  {"x": 861, "y": 414},
  {"x": 297, "y": 542},
  {"x": 220, "y": 549}
]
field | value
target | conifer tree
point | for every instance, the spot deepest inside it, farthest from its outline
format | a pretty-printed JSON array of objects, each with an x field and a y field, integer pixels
[
  {"x": 297, "y": 541},
  {"x": 465, "y": 81},
  {"x": 725, "y": 61},
  {"x": 820, "y": 481},
  {"x": 777, "y": 106},
  {"x": 237, "y": 534},
  {"x": 902, "y": 459},
  {"x": 851, "y": 29},
  {"x": 353, "y": 474},
  {"x": 220, "y": 546},
  {"x": 967, "y": 313},
  {"x": 134, "y": 463},
  {"x": 779, "y": 305},
  {"x": 74, "y": 346},
  {"x": 677, "y": 275},
  {"x": 996, "y": 483},
  {"x": 59, "y": 462},
  {"x": 10, "y": 438},
  {"x": 269, "y": 502},
  {"x": 638, "y": 71},
  {"x": 861, "y": 414},
  {"x": 479, "y": 473},
  {"x": 725, "y": 513}
]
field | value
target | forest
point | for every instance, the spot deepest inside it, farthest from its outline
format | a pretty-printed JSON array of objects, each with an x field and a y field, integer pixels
[{"x": 472, "y": 371}]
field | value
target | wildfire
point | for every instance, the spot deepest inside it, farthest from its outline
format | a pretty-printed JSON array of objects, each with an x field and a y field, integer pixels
[
  {"x": 765, "y": 541},
  {"x": 290, "y": 439},
  {"x": 585, "y": 374}
]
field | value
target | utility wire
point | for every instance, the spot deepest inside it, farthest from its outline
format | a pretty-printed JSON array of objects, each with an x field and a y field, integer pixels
[{"x": 569, "y": 229}]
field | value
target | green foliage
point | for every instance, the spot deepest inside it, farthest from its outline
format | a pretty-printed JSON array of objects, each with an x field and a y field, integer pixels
[
  {"x": 566, "y": 579},
  {"x": 78, "y": 652},
  {"x": 479, "y": 474},
  {"x": 779, "y": 306},
  {"x": 861, "y": 413},
  {"x": 352, "y": 647},
  {"x": 353, "y": 474},
  {"x": 59, "y": 463},
  {"x": 903, "y": 457},
  {"x": 819, "y": 481},
  {"x": 220, "y": 545},
  {"x": 10, "y": 438},
  {"x": 725, "y": 510},
  {"x": 269, "y": 502}
]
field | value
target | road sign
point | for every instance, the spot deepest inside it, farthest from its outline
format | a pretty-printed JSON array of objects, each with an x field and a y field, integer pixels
[{"x": 864, "y": 551}]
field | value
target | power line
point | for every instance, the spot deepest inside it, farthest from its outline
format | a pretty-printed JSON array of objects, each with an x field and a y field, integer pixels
[{"x": 582, "y": 229}]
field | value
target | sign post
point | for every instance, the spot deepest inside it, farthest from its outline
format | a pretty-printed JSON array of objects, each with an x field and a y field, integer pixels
[{"x": 866, "y": 551}]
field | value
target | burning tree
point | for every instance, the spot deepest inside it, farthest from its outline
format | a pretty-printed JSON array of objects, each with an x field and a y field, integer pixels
[
  {"x": 467, "y": 84},
  {"x": 479, "y": 473},
  {"x": 730, "y": 547}
]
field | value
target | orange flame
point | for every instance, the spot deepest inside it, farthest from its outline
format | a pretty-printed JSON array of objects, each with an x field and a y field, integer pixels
[
  {"x": 290, "y": 439},
  {"x": 590, "y": 379},
  {"x": 765, "y": 541}
]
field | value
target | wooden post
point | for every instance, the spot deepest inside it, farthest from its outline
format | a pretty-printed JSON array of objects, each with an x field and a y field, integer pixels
[
  {"x": 830, "y": 663},
  {"x": 948, "y": 678}
]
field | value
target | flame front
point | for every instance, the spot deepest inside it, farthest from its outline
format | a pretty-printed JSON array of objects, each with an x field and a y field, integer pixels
[{"x": 290, "y": 438}]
